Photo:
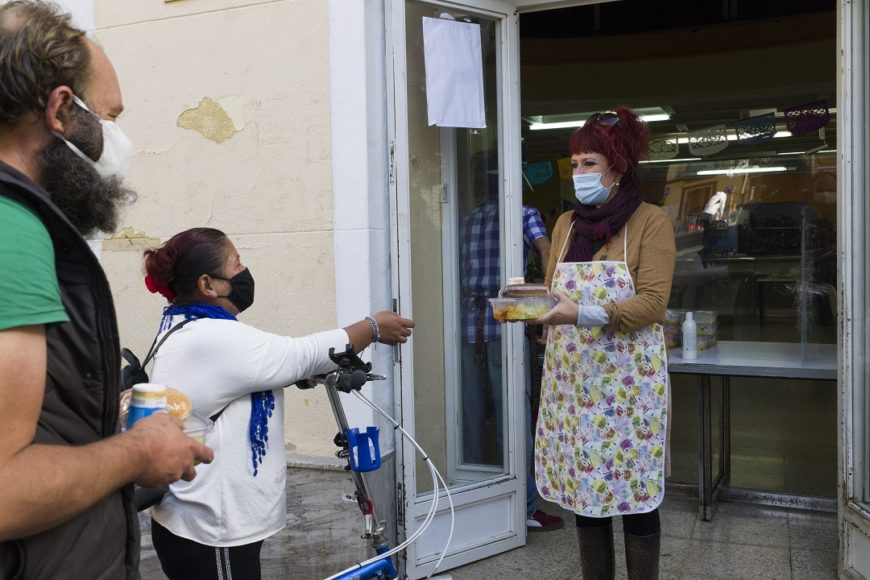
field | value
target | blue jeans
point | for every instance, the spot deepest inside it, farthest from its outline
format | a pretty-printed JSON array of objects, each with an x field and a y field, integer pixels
[{"x": 477, "y": 383}]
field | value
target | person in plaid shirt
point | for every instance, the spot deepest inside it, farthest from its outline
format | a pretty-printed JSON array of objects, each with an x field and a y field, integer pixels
[{"x": 480, "y": 280}]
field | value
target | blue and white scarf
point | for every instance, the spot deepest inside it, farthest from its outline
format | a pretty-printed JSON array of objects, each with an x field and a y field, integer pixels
[{"x": 262, "y": 403}]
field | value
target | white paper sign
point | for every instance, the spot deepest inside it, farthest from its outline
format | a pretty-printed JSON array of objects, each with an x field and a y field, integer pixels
[{"x": 454, "y": 73}]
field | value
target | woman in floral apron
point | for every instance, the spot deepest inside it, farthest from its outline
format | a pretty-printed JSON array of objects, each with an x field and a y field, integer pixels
[{"x": 601, "y": 442}]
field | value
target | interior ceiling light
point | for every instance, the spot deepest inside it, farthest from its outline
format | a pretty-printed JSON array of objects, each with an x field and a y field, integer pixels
[
  {"x": 543, "y": 122},
  {"x": 810, "y": 151},
  {"x": 740, "y": 170},
  {"x": 680, "y": 160}
]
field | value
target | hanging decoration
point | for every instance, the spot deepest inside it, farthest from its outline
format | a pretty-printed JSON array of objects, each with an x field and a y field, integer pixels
[
  {"x": 755, "y": 129},
  {"x": 709, "y": 141},
  {"x": 663, "y": 148},
  {"x": 538, "y": 172},
  {"x": 808, "y": 117}
]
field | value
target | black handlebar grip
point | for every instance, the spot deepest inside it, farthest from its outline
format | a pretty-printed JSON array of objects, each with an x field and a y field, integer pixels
[
  {"x": 351, "y": 381},
  {"x": 305, "y": 384},
  {"x": 358, "y": 379}
]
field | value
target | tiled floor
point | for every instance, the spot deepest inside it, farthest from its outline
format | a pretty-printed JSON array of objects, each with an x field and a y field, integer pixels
[{"x": 743, "y": 542}]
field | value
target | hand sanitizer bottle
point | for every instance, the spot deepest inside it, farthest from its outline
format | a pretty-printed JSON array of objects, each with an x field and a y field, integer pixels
[{"x": 690, "y": 338}]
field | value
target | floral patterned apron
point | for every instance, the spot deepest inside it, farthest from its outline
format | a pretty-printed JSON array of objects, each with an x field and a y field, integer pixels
[{"x": 600, "y": 444}]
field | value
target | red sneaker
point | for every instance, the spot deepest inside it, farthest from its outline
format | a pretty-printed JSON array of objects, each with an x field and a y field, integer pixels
[{"x": 542, "y": 522}]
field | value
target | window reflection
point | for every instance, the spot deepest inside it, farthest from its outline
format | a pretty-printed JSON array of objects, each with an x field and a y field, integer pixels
[{"x": 758, "y": 249}]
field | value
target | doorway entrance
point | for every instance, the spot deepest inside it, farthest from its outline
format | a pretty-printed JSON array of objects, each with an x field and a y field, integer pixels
[{"x": 721, "y": 86}]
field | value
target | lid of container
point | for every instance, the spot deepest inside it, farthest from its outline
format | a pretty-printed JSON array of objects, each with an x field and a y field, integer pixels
[
  {"x": 523, "y": 291},
  {"x": 516, "y": 280}
]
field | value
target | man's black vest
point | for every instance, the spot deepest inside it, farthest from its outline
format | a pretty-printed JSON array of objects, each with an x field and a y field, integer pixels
[{"x": 80, "y": 407}]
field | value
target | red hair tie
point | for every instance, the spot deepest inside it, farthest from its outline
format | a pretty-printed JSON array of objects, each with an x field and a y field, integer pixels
[{"x": 155, "y": 286}]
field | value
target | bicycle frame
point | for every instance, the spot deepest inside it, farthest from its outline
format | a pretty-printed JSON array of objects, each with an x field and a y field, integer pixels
[{"x": 353, "y": 373}]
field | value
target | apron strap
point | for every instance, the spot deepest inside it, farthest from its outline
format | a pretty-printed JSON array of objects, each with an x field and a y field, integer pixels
[
  {"x": 625, "y": 245},
  {"x": 565, "y": 243}
]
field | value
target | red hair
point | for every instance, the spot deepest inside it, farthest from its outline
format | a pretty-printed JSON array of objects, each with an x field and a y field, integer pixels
[{"x": 623, "y": 144}]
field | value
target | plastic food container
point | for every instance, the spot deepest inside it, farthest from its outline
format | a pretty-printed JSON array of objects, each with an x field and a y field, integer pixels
[
  {"x": 521, "y": 301},
  {"x": 706, "y": 317},
  {"x": 675, "y": 317},
  {"x": 505, "y": 309},
  {"x": 706, "y": 322},
  {"x": 198, "y": 427}
]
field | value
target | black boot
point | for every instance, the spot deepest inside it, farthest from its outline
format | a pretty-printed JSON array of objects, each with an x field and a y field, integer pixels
[
  {"x": 642, "y": 556},
  {"x": 596, "y": 552}
]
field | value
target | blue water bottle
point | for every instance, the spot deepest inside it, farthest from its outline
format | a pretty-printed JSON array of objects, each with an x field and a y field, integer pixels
[{"x": 146, "y": 399}]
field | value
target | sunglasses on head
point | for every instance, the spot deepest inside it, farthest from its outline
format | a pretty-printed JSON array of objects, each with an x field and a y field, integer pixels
[{"x": 608, "y": 119}]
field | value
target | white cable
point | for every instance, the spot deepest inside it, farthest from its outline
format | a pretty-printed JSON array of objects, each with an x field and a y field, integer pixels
[
  {"x": 403, "y": 545},
  {"x": 434, "y": 486},
  {"x": 452, "y": 522},
  {"x": 433, "y": 472},
  {"x": 430, "y": 515}
]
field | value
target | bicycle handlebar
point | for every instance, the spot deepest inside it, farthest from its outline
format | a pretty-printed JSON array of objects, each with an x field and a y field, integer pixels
[{"x": 352, "y": 373}]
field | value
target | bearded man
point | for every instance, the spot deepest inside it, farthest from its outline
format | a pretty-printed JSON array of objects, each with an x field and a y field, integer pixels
[{"x": 65, "y": 473}]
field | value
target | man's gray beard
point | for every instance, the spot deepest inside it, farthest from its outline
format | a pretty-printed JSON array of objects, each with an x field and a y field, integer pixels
[{"x": 90, "y": 201}]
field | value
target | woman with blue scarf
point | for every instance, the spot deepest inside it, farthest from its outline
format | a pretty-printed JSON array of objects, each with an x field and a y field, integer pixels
[{"x": 234, "y": 373}]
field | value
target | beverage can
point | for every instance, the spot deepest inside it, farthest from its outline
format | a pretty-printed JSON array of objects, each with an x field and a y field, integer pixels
[{"x": 146, "y": 399}]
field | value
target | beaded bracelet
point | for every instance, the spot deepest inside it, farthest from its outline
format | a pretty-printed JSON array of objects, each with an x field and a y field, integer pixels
[{"x": 375, "y": 329}]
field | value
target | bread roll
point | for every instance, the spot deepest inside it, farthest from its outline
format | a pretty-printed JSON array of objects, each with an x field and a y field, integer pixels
[{"x": 178, "y": 404}]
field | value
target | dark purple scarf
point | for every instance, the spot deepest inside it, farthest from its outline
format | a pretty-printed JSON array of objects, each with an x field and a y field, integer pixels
[{"x": 600, "y": 223}]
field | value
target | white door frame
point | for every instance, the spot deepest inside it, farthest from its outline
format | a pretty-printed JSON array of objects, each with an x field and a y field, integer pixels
[
  {"x": 500, "y": 502},
  {"x": 853, "y": 92}
]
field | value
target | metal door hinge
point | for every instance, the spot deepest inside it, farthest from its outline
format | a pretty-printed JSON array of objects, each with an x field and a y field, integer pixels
[
  {"x": 392, "y": 176},
  {"x": 400, "y": 504}
]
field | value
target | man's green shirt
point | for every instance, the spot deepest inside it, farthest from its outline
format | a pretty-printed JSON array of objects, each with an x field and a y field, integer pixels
[{"x": 29, "y": 291}]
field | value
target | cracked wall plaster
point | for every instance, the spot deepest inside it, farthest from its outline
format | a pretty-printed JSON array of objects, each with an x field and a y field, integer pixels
[
  {"x": 209, "y": 119},
  {"x": 130, "y": 239}
]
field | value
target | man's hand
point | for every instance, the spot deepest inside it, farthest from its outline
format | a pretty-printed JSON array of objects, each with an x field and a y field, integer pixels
[
  {"x": 393, "y": 328},
  {"x": 168, "y": 453},
  {"x": 564, "y": 312}
]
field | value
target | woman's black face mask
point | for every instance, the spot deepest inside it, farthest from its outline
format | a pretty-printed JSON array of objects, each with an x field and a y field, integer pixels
[{"x": 242, "y": 289}]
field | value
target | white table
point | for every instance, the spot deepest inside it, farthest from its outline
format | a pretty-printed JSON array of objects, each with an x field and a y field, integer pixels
[{"x": 744, "y": 359}]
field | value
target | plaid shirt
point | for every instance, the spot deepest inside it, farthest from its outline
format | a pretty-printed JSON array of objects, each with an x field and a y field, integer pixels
[{"x": 480, "y": 272}]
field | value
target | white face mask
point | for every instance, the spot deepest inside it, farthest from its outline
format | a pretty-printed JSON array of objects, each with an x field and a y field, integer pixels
[
  {"x": 589, "y": 189},
  {"x": 114, "y": 161}
]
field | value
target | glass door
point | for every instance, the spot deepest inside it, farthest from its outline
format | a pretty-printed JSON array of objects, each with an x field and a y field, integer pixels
[
  {"x": 854, "y": 247},
  {"x": 457, "y": 229}
]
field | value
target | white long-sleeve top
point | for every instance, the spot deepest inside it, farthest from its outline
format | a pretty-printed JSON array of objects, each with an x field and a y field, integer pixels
[{"x": 218, "y": 363}]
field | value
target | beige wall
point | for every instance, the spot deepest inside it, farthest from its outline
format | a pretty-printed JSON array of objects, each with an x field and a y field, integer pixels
[{"x": 227, "y": 103}]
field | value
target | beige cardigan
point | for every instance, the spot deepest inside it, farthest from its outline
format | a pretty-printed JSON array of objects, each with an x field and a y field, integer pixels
[{"x": 651, "y": 258}]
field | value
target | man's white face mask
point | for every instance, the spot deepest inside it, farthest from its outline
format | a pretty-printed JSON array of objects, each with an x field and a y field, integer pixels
[{"x": 114, "y": 161}]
